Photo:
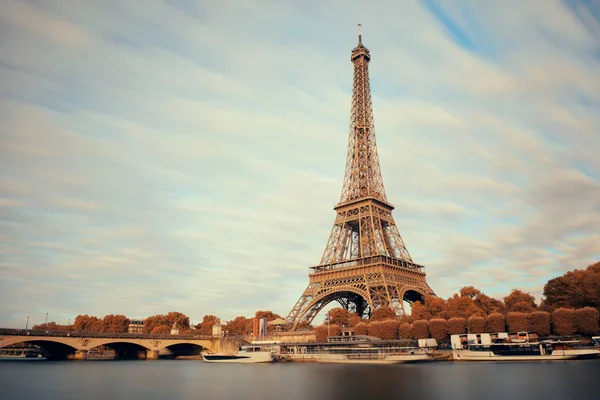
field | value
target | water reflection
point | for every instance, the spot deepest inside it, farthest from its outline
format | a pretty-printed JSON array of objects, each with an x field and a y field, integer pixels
[{"x": 153, "y": 380}]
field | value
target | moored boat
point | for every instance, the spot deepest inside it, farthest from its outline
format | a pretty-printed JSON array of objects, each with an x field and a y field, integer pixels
[
  {"x": 256, "y": 352},
  {"x": 361, "y": 350},
  {"x": 21, "y": 354},
  {"x": 522, "y": 346}
]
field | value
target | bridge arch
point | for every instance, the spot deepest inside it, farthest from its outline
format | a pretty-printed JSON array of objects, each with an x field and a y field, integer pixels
[{"x": 54, "y": 349}]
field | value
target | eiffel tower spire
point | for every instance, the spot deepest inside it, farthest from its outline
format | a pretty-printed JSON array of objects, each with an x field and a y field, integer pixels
[
  {"x": 375, "y": 231},
  {"x": 365, "y": 264}
]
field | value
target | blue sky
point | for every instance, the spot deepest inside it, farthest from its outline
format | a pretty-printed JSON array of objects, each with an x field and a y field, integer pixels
[{"x": 186, "y": 155}]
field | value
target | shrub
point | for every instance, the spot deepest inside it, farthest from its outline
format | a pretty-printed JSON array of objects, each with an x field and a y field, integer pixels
[
  {"x": 563, "y": 320},
  {"x": 539, "y": 322},
  {"x": 476, "y": 324},
  {"x": 405, "y": 331},
  {"x": 419, "y": 329},
  {"x": 457, "y": 326},
  {"x": 385, "y": 330},
  {"x": 321, "y": 332},
  {"x": 586, "y": 321},
  {"x": 360, "y": 328},
  {"x": 438, "y": 328},
  {"x": 495, "y": 322},
  {"x": 516, "y": 321}
]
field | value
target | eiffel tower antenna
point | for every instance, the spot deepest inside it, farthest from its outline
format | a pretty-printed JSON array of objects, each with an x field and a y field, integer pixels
[{"x": 365, "y": 264}]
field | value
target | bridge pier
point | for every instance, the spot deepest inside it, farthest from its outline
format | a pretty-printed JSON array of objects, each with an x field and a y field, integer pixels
[
  {"x": 152, "y": 355},
  {"x": 80, "y": 355}
]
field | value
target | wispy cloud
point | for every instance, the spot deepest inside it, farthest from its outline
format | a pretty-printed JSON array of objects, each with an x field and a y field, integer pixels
[{"x": 186, "y": 155}]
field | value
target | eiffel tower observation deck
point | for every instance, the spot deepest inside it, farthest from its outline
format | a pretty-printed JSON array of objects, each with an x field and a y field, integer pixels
[{"x": 365, "y": 264}]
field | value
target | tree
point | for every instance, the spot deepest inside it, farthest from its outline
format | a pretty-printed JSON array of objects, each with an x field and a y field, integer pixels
[
  {"x": 516, "y": 321},
  {"x": 161, "y": 330},
  {"x": 586, "y": 321},
  {"x": 321, "y": 332},
  {"x": 205, "y": 327},
  {"x": 496, "y": 322},
  {"x": 457, "y": 326},
  {"x": 51, "y": 326},
  {"x": 438, "y": 328},
  {"x": 269, "y": 315},
  {"x": 85, "y": 323},
  {"x": 430, "y": 308},
  {"x": 419, "y": 310},
  {"x": 419, "y": 329},
  {"x": 238, "y": 326},
  {"x": 178, "y": 319},
  {"x": 574, "y": 289},
  {"x": 339, "y": 316},
  {"x": 476, "y": 324},
  {"x": 361, "y": 328},
  {"x": 384, "y": 329},
  {"x": 116, "y": 323},
  {"x": 405, "y": 331},
  {"x": 539, "y": 322},
  {"x": 513, "y": 301},
  {"x": 563, "y": 321},
  {"x": 382, "y": 313},
  {"x": 462, "y": 307}
]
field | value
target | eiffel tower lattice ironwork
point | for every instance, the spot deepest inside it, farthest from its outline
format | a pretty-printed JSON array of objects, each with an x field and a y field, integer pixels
[{"x": 365, "y": 264}]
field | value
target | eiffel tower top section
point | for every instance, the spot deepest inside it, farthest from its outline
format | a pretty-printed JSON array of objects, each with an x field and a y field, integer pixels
[{"x": 362, "y": 177}]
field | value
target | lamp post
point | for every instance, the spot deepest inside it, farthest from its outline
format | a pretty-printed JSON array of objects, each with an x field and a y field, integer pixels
[
  {"x": 328, "y": 318},
  {"x": 46, "y": 323},
  {"x": 27, "y": 324}
]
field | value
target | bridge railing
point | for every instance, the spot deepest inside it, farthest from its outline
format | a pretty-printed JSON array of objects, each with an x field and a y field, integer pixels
[{"x": 112, "y": 335}]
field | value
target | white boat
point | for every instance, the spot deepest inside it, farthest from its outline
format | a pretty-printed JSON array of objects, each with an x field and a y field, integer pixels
[
  {"x": 361, "y": 350},
  {"x": 523, "y": 346},
  {"x": 256, "y": 352},
  {"x": 21, "y": 354}
]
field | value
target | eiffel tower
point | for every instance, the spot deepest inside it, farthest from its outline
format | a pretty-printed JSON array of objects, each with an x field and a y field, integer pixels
[{"x": 365, "y": 264}]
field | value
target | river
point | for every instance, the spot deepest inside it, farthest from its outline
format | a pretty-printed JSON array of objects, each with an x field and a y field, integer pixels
[{"x": 193, "y": 379}]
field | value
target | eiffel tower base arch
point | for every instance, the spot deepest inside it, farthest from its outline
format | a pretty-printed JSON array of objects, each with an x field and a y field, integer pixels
[{"x": 361, "y": 289}]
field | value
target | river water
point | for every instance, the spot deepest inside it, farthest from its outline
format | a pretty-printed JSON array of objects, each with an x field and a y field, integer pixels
[{"x": 193, "y": 379}]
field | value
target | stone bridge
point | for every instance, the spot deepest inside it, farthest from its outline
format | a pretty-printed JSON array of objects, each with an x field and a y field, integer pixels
[{"x": 75, "y": 345}]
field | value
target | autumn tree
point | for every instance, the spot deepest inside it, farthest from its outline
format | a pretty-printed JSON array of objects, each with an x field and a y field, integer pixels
[
  {"x": 322, "y": 331},
  {"x": 586, "y": 321},
  {"x": 431, "y": 307},
  {"x": 179, "y": 320},
  {"x": 361, "y": 328},
  {"x": 238, "y": 326},
  {"x": 51, "y": 326},
  {"x": 438, "y": 328},
  {"x": 462, "y": 307},
  {"x": 405, "y": 331},
  {"x": 205, "y": 327},
  {"x": 476, "y": 324},
  {"x": 85, "y": 323},
  {"x": 419, "y": 329},
  {"x": 161, "y": 330},
  {"x": 539, "y": 322},
  {"x": 384, "y": 329},
  {"x": 495, "y": 322},
  {"x": 116, "y": 323},
  {"x": 339, "y": 316},
  {"x": 516, "y": 321},
  {"x": 574, "y": 289},
  {"x": 382, "y": 313},
  {"x": 418, "y": 310},
  {"x": 563, "y": 321},
  {"x": 457, "y": 326},
  {"x": 519, "y": 301},
  {"x": 269, "y": 315}
]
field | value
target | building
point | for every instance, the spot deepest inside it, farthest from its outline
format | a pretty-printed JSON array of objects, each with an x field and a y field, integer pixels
[{"x": 136, "y": 326}]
